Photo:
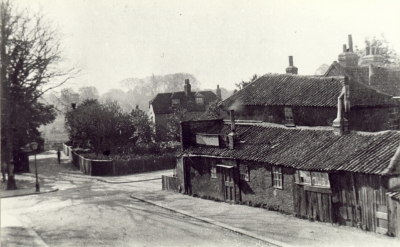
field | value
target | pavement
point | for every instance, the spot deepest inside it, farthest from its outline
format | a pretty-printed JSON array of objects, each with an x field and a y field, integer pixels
[{"x": 269, "y": 226}]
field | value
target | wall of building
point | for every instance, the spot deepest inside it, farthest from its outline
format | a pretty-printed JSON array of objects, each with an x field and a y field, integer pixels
[
  {"x": 202, "y": 184},
  {"x": 355, "y": 198},
  {"x": 259, "y": 189},
  {"x": 161, "y": 121}
]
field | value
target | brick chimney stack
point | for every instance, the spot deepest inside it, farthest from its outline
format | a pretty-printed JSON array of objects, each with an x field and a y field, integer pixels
[
  {"x": 372, "y": 56},
  {"x": 348, "y": 58},
  {"x": 341, "y": 124},
  {"x": 187, "y": 88},
  {"x": 291, "y": 69},
  {"x": 218, "y": 92}
]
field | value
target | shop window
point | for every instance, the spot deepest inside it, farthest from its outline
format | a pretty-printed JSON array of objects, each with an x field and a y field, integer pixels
[
  {"x": 244, "y": 172},
  {"x": 318, "y": 179},
  {"x": 277, "y": 178}
]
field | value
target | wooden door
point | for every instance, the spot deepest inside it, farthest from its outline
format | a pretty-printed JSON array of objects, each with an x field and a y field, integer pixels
[
  {"x": 382, "y": 224},
  {"x": 229, "y": 184}
]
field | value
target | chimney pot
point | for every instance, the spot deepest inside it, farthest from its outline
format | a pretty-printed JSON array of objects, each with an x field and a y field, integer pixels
[
  {"x": 291, "y": 69},
  {"x": 350, "y": 43},
  {"x": 372, "y": 50},
  {"x": 187, "y": 88},
  {"x": 367, "y": 50},
  {"x": 344, "y": 48}
]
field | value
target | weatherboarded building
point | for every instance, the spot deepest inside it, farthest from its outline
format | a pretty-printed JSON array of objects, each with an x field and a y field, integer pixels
[
  {"x": 164, "y": 104},
  {"x": 326, "y": 174}
]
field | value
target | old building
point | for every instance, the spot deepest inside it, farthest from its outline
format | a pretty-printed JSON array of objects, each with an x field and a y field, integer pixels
[
  {"x": 328, "y": 174},
  {"x": 369, "y": 70},
  {"x": 164, "y": 104},
  {"x": 294, "y": 99},
  {"x": 311, "y": 101}
]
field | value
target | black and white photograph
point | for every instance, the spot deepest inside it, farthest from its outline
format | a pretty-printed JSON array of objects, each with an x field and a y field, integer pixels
[{"x": 194, "y": 123}]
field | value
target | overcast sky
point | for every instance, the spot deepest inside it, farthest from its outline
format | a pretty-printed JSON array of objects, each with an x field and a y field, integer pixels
[{"x": 219, "y": 42}]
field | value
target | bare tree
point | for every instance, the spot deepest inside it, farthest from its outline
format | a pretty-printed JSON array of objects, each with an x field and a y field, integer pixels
[{"x": 31, "y": 64}]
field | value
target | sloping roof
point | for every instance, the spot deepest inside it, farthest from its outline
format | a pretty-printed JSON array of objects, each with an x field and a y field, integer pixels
[
  {"x": 307, "y": 148},
  {"x": 162, "y": 102},
  {"x": 296, "y": 90},
  {"x": 387, "y": 80},
  {"x": 394, "y": 193}
]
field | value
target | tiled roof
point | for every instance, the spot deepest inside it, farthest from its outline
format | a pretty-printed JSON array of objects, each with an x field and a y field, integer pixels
[
  {"x": 387, "y": 79},
  {"x": 307, "y": 148},
  {"x": 162, "y": 102},
  {"x": 296, "y": 90}
]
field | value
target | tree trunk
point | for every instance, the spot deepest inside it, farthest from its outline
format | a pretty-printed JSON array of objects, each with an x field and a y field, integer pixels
[{"x": 7, "y": 142}]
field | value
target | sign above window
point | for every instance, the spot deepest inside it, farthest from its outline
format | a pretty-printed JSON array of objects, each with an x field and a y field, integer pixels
[{"x": 207, "y": 139}]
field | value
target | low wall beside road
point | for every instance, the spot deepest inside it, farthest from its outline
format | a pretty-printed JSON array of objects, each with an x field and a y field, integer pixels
[{"x": 120, "y": 167}]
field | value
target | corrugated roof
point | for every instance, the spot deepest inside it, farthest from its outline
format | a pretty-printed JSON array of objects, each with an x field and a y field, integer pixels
[
  {"x": 296, "y": 90},
  {"x": 308, "y": 148},
  {"x": 162, "y": 102}
]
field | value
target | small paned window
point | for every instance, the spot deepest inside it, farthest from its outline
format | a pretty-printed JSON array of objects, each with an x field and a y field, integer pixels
[
  {"x": 244, "y": 172},
  {"x": 277, "y": 177},
  {"x": 289, "y": 115},
  {"x": 318, "y": 179},
  {"x": 200, "y": 101},
  {"x": 175, "y": 102},
  {"x": 213, "y": 172}
]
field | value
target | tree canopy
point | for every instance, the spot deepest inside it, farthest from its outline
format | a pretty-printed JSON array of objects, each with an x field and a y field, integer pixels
[{"x": 31, "y": 64}]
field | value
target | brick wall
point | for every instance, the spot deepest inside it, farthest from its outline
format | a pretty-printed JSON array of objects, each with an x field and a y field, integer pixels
[
  {"x": 259, "y": 190},
  {"x": 200, "y": 178}
]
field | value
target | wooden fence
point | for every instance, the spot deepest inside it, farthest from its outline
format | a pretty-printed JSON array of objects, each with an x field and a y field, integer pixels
[{"x": 112, "y": 167}]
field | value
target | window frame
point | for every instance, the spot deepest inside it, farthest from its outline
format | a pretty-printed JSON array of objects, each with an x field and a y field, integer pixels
[
  {"x": 288, "y": 113},
  {"x": 213, "y": 172},
  {"x": 314, "y": 179},
  {"x": 198, "y": 102},
  {"x": 244, "y": 172},
  {"x": 175, "y": 102},
  {"x": 277, "y": 177}
]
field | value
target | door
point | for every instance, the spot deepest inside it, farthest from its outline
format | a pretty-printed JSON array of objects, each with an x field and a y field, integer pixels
[
  {"x": 229, "y": 184},
  {"x": 381, "y": 219}
]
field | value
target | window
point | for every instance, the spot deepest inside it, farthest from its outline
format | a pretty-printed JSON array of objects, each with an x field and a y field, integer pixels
[
  {"x": 289, "y": 116},
  {"x": 318, "y": 179},
  {"x": 213, "y": 172},
  {"x": 200, "y": 101},
  {"x": 175, "y": 102},
  {"x": 277, "y": 177},
  {"x": 244, "y": 172}
]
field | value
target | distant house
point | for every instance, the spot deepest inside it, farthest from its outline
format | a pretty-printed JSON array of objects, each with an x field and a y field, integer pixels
[
  {"x": 327, "y": 174},
  {"x": 164, "y": 104},
  {"x": 368, "y": 70}
]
